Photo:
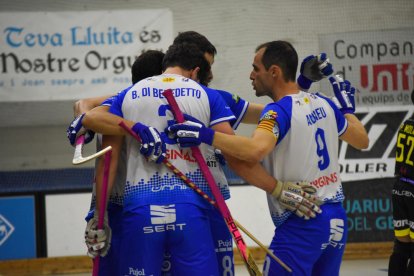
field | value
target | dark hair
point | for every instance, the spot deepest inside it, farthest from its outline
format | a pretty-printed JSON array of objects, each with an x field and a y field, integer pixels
[
  {"x": 282, "y": 54},
  {"x": 148, "y": 64},
  {"x": 187, "y": 56},
  {"x": 198, "y": 39}
]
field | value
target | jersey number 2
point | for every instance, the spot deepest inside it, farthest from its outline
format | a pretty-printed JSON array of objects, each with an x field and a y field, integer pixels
[{"x": 321, "y": 149}]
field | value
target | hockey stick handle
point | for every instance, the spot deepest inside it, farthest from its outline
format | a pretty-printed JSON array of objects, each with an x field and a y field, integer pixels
[
  {"x": 224, "y": 210},
  {"x": 102, "y": 204},
  {"x": 193, "y": 186},
  {"x": 78, "y": 147},
  {"x": 105, "y": 181}
]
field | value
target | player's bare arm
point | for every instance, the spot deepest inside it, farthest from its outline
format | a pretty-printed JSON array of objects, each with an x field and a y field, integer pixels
[
  {"x": 253, "y": 112},
  {"x": 102, "y": 121},
  {"x": 253, "y": 173},
  {"x": 84, "y": 105},
  {"x": 252, "y": 149},
  {"x": 356, "y": 134}
]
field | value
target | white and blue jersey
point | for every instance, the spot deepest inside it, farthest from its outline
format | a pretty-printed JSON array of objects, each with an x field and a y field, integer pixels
[
  {"x": 149, "y": 183},
  {"x": 319, "y": 120}
]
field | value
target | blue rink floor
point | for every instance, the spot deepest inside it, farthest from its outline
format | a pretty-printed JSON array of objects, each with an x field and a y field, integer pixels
[{"x": 377, "y": 267}]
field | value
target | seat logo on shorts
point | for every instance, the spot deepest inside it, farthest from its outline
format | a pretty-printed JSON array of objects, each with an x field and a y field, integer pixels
[
  {"x": 163, "y": 214},
  {"x": 163, "y": 218},
  {"x": 336, "y": 234},
  {"x": 337, "y": 230}
]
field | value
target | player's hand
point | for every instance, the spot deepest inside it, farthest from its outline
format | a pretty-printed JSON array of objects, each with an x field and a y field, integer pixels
[
  {"x": 298, "y": 197},
  {"x": 313, "y": 69},
  {"x": 98, "y": 241},
  {"x": 344, "y": 94},
  {"x": 191, "y": 133},
  {"x": 76, "y": 129},
  {"x": 152, "y": 143}
]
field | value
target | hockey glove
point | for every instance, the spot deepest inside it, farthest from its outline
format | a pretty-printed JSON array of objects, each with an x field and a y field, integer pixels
[
  {"x": 152, "y": 143},
  {"x": 344, "y": 94},
  {"x": 98, "y": 241},
  {"x": 314, "y": 69},
  {"x": 298, "y": 197},
  {"x": 191, "y": 133},
  {"x": 76, "y": 129}
]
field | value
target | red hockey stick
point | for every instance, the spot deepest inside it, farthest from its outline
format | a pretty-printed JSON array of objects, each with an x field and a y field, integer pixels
[{"x": 224, "y": 210}]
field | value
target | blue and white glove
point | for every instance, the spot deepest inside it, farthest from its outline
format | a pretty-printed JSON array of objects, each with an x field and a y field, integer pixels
[
  {"x": 344, "y": 94},
  {"x": 191, "y": 133},
  {"x": 314, "y": 68},
  {"x": 152, "y": 143},
  {"x": 76, "y": 129}
]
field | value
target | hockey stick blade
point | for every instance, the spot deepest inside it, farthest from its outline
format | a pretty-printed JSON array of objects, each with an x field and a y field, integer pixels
[{"x": 79, "y": 159}]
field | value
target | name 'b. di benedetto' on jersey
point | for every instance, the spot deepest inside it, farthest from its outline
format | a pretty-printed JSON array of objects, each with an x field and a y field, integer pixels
[
  {"x": 290, "y": 119},
  {"x": 149, "y": 183}
]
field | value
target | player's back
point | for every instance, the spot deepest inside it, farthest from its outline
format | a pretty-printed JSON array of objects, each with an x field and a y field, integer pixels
[
  {"x": 307, "y": 147},
  {"x": 144, "y": 102}
]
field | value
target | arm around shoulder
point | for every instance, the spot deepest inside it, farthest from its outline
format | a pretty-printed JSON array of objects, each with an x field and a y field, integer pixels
[
  {"x": 253, "y": 112},
  {"x": 102, "y": 121},
  {"x": 84, "y": 105}
]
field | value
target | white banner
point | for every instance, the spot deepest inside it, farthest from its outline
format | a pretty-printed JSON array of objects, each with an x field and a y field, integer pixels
[
  {"x": 378, "y": 161},
  {"x": 67, "y": 55},
  {"x": 379, "y": 63}
]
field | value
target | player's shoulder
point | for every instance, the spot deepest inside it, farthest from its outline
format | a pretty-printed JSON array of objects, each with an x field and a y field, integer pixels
[{"x": 285, "y": 102}]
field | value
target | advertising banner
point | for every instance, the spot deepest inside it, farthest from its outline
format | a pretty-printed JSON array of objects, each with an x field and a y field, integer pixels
[
  {"x": 59, "y": 55},
  {"x": 378, "y": 160},
  {"x": 379, "y": 63},
  {"x": 368, "y": 207},
  {"x": 17, "y": 228}
]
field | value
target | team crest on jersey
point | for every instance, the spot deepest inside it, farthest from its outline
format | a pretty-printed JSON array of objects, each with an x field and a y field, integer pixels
[
  {"x": 168, "y": 79},
  {"x": 270, "y": 115},
  {"x": 300, "y": 102},
  {"x": 236, "y": 98},
  {"x": 268, "y": 121}
]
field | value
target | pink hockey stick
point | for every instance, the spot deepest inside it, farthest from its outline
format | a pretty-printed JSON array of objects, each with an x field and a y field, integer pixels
[
  {"x": 102, "y": 204},
  {"x": 224, "y": 210}
]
